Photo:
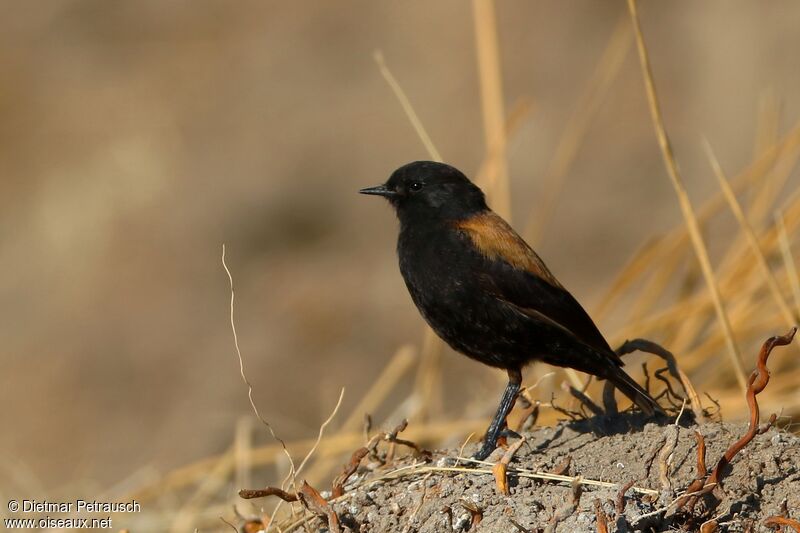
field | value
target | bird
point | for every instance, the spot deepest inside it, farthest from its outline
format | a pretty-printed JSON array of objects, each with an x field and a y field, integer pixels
[{"x": 486, "y": 292}]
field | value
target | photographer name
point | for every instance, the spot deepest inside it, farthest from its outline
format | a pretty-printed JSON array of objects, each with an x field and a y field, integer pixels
[{"x": 79, "y": 506}]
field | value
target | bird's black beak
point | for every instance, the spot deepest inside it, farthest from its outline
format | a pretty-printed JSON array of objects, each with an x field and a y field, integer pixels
[{"x": 379, "y": 190}]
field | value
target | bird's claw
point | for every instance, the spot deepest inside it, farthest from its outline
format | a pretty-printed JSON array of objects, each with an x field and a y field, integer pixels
[{"x": 489, "y": 446}]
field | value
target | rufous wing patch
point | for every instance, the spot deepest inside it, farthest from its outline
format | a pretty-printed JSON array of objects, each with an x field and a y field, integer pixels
[{"x": 495, "y": 239}]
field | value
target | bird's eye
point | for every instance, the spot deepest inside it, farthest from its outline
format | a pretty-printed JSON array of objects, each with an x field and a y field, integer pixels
[{"x": 415, "y": 186}]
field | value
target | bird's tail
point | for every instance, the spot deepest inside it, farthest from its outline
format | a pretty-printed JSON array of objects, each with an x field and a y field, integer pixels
[{"x": 632, "y": 390}]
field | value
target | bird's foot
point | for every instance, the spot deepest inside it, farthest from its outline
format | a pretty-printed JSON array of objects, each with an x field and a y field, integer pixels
[
  {"x": 490, "y": 446},
  {"x": 510, "y": 433},
  {"x": 485, "y": 451}
]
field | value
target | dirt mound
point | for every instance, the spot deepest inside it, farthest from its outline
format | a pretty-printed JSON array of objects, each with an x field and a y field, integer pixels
[{"x": 652, "y": 465}]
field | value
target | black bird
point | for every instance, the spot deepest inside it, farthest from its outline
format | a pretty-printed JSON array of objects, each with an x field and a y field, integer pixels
[{"x": 483, "y": 290}]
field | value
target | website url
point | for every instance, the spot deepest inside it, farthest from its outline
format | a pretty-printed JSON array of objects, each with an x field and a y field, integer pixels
[{"x": 57, "y": 523}]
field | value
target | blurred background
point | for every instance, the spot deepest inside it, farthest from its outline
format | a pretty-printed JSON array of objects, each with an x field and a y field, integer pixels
[{"x": 138, "y": 137}]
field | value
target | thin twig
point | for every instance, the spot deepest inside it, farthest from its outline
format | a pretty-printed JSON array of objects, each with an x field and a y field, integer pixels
[
  {"x": 291, "y": 474},
  {"x": 321, "y": 432},
  {"x": 600, "y": 516},
  {"x": 567, "y": 510},
  {"x": 701, "y": 455},
  {"x": 778, "y": 521},
  {"x": 500, "y": 470},
  {"x": 241, "y": 365},
  {"x": 644, "y": 345},
  {"x": 757, "y": 382},
  {"x": 348, "y": 470},
  {"x": 619, "y": 503}
]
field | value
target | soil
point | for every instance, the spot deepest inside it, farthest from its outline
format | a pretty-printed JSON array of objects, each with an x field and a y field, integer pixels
[{"x": 762, "y": 482}]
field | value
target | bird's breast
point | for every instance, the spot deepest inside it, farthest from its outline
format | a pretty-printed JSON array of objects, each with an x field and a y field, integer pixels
[{"x": 440, "y": 270}]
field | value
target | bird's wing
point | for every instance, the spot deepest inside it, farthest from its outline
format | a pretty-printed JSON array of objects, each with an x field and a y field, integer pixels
[
  {"x": 496, "y": 240},
  {"x": 515, "y": 274}
]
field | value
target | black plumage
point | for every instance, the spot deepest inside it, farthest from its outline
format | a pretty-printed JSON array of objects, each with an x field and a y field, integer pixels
[{"x": 485, "y": 291}]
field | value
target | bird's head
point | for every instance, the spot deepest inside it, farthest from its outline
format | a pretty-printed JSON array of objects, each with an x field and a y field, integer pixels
[{"x": 426, "y": 190}]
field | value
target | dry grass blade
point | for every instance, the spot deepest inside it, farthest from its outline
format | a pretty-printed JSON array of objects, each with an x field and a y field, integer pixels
[
  {"x": 399, "y": 364},
  {"x": 293, "y": 473},
  {"x": 683, "y": 198},
  {"x": 638, "y": 263},
  {"x": 184, "y": 518},
  {"x": 534, "y": 474},
  {"x": 769, "y": 118},
  {"x": 320, "y": 433},
  {"x": 428, "y": 383},
  {"x": 585, "y": 109},
  {"x": 242, "y": 448},
  {"x": 788, "y": 259},
  {"x": 422, "y": 133},
  {"x": 752, "y": 240},
  {"x": 492, "y": 105},
  {"x": 770, "y": 186}
]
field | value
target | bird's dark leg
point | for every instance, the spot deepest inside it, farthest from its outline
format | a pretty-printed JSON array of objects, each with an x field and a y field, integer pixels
[{"x": 499, "y": 420}]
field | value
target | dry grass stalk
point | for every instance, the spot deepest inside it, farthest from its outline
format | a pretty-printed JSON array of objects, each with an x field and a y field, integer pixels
[
  {"x": 405, "y": 103},
  {"x": 683, "y": 198},
  {"x": 492, "y": 105},
  {"x": 398, "y": 366},
  {"x": 428, "y": 383},
  {"x": 788, "y": 260},
  {"x": 752, "y": 240},
  {"x": 606, "y": 71}
]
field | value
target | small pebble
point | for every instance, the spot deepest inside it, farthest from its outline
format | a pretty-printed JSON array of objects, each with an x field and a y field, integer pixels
[
  {"x": 462, "y": 522},
  {"x": 777, "y": 439},
  {"x": 444, "y": 462}
]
